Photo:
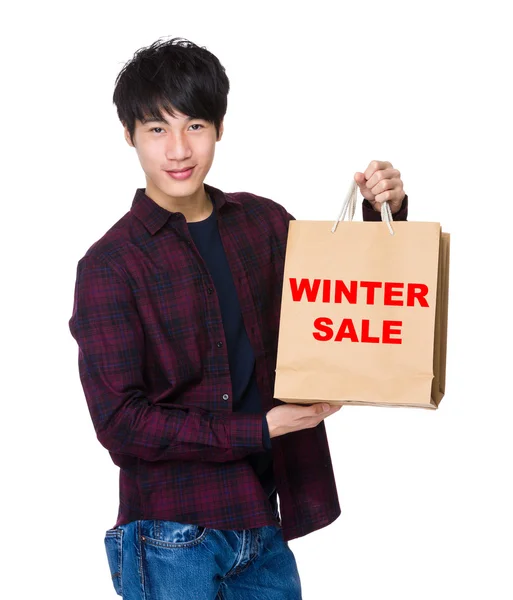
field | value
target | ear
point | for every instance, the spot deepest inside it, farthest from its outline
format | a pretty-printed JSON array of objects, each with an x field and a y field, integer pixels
[
  {"x": 127, "y": 136},
  {"x": 221, "y": 130}
]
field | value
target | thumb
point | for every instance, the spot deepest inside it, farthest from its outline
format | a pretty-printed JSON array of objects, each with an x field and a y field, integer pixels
[
  {"x": 360, "y": 179},
  {"x": 362, "y": 184}
]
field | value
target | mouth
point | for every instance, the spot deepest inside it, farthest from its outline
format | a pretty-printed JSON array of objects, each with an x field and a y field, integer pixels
[{"x": 182, "y": 174}]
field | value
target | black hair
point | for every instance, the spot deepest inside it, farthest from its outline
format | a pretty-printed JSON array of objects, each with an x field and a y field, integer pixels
[{"x": 171, "y": 74}]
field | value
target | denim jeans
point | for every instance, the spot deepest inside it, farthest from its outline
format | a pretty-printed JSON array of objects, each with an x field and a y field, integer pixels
[{"x": 166, "y": 560}]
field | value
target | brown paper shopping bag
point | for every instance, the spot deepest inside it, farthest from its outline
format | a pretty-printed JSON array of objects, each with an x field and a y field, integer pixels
[{"x": 364, "y": 312}]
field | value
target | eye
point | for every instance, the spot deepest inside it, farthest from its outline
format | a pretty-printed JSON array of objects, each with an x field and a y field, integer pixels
[
  {"x": 196, "y": 125},
  {"x": 155, "y": 128}
]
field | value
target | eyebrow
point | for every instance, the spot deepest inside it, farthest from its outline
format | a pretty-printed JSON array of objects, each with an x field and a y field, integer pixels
[{"x": 152, "y": 120}]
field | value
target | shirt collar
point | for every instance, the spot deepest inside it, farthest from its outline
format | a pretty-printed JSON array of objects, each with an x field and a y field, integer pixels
[{"x": 154, "y": 217}]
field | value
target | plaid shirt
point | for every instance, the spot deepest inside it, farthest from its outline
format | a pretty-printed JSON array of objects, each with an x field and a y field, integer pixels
[{"x": 154, "y": 368}]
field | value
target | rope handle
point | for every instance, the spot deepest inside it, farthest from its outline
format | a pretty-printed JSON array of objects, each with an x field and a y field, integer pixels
[{"x": 349, "y": 204}]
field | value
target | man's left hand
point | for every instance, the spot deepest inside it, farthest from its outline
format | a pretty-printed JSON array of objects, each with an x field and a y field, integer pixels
[{"x": 381, "y": 183}]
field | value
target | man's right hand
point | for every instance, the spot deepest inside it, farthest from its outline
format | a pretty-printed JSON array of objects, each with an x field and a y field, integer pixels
[{"x": 294, "y": 417}]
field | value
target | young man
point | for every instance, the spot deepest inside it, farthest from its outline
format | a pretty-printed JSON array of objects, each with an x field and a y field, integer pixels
[{"x": 176, "y": 315}]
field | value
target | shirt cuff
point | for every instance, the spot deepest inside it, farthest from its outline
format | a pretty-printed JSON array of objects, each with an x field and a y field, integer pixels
[
  {"x": 265, "y": 433},
  {"x": 369, "y": 214},
  {"x": 246, "y": 432}
]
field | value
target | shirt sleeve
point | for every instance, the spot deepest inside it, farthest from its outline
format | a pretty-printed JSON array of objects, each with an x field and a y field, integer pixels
[
  {"x": 369, "y": 214},
  {"x": 106, "y": 325}
]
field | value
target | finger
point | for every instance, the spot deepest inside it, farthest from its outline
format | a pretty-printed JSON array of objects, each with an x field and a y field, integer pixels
[
  {"x": 381, "y": 175},
  {"x": 376, "y": 165},
  {"x": 333, "y": 408},
  {"x": 384, "y": 185},
  {"x": 319, "y": 408},
  {"x": 312, "y": 409},
  {"x": 392, "y": 196}
]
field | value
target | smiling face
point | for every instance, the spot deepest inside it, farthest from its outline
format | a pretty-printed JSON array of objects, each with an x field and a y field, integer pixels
[{"x": 176, "y": 143}]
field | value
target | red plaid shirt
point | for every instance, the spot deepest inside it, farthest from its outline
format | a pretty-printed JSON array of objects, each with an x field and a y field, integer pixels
[{"x": 156, "y": 379}]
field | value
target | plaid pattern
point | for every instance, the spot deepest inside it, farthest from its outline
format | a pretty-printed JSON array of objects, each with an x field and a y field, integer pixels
[{"x": 154, "y": 368}]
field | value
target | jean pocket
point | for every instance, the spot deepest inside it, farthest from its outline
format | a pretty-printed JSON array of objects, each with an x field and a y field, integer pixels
[
  {"x": 114, "y": 547},
  {"x": 171, "y": 534}
]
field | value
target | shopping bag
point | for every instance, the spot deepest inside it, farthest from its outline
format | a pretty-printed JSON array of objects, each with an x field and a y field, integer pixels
[{"x": 364, "y": 312}]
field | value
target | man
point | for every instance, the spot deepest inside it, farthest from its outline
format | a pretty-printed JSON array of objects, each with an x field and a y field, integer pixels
[{"x": 176, "y": 315}]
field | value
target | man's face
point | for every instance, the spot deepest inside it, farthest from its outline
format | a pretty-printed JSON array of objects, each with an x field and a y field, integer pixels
[{"x": 174, "y": 144}]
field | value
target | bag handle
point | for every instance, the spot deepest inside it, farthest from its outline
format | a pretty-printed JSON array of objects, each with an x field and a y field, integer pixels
[{"x": 350, "y": 205}]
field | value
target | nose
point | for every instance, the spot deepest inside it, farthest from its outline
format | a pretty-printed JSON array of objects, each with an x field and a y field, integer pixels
[{"x": 177, "y": 147}]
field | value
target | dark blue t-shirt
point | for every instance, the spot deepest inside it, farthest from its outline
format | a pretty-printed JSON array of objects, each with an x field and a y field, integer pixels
[{"x": 246, "y": 397}]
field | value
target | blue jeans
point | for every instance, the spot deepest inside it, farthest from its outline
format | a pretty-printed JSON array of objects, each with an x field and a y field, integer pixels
[{"x": 166, "y": 560}]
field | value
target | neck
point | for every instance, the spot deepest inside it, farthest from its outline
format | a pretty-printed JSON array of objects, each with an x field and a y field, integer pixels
[{"x": 196, "y": 207}]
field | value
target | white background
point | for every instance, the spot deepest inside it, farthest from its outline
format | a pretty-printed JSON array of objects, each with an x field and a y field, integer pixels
[{"x": 318, "y": 90}]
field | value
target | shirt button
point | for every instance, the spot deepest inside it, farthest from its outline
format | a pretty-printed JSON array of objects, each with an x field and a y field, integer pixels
[
  {"x": 219, "y": 344},
  {"x": 225, "y": 397},
  {"x": 210, "y": 290}
]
